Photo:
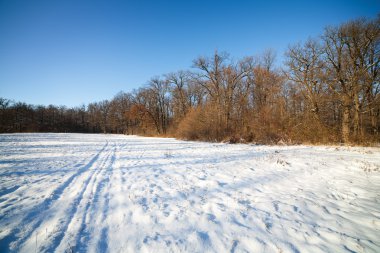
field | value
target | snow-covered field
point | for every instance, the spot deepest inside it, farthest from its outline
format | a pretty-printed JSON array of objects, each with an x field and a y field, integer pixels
[{"x": 114, "y": 193}]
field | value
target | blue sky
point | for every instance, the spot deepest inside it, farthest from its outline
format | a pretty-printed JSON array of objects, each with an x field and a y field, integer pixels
[{"x": 75, "y": 52}]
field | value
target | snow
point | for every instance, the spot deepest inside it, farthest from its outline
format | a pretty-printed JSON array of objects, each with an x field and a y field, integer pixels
[{"x": 115, "y": 193}]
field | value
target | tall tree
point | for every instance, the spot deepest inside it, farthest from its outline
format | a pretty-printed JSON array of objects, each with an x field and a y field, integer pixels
[{"x": 306, "y": 68}]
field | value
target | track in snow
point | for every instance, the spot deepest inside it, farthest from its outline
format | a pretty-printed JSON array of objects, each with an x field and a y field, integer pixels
[{"x": 114, "y": 193}]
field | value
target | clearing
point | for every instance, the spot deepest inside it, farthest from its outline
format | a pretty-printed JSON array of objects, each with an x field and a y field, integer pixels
[{"x": 115, "y": 193}]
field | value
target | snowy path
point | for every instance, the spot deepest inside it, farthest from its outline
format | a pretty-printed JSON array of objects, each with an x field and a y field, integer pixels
[{"x": 114, "y": 193}]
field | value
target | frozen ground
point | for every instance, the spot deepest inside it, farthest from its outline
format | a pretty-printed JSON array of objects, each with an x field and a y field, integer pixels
[{"x": 114, "y": 193}]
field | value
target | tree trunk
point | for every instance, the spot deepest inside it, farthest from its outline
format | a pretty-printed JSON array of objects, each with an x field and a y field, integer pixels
[
  {"x": 346, "y": 120},
  {"x": 357, "y": 116},
  {"x": 373, "y": 121}
]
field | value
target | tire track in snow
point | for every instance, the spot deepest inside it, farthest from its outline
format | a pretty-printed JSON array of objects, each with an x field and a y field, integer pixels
[
  {"x": 24, "y": 230},
  {"x": 102, "y": 242},
  {"x": 14, "y": 208},
  {"x": 94, "y": 239},
  {"x": 77, "y": 206},
  {"x": 83, "y": 234}
]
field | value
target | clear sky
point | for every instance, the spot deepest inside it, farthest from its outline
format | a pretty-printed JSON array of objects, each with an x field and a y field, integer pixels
[{"x": 75, "y": 52}]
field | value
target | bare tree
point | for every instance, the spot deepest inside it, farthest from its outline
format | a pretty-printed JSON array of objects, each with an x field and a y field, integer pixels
[
  {"x": 352, "y": 57},
  {"x": 306, "y": 68},
  {"x": 181, "y": 92},
  {"x": 221, "y": 77}
]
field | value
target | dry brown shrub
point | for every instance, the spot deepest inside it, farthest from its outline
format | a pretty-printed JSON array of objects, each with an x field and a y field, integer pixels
[{"x": 199, "y": 124}]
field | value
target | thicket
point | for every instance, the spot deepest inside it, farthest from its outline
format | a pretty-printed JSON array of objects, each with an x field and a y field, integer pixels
[{"x": 326, "y": 92}]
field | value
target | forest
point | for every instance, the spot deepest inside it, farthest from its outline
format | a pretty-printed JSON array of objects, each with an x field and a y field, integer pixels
[{"x": 327, "y": 91}]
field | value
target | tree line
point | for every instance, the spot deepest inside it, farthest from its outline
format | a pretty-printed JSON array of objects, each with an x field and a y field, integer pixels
[{"x": 326, "y": 92}]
